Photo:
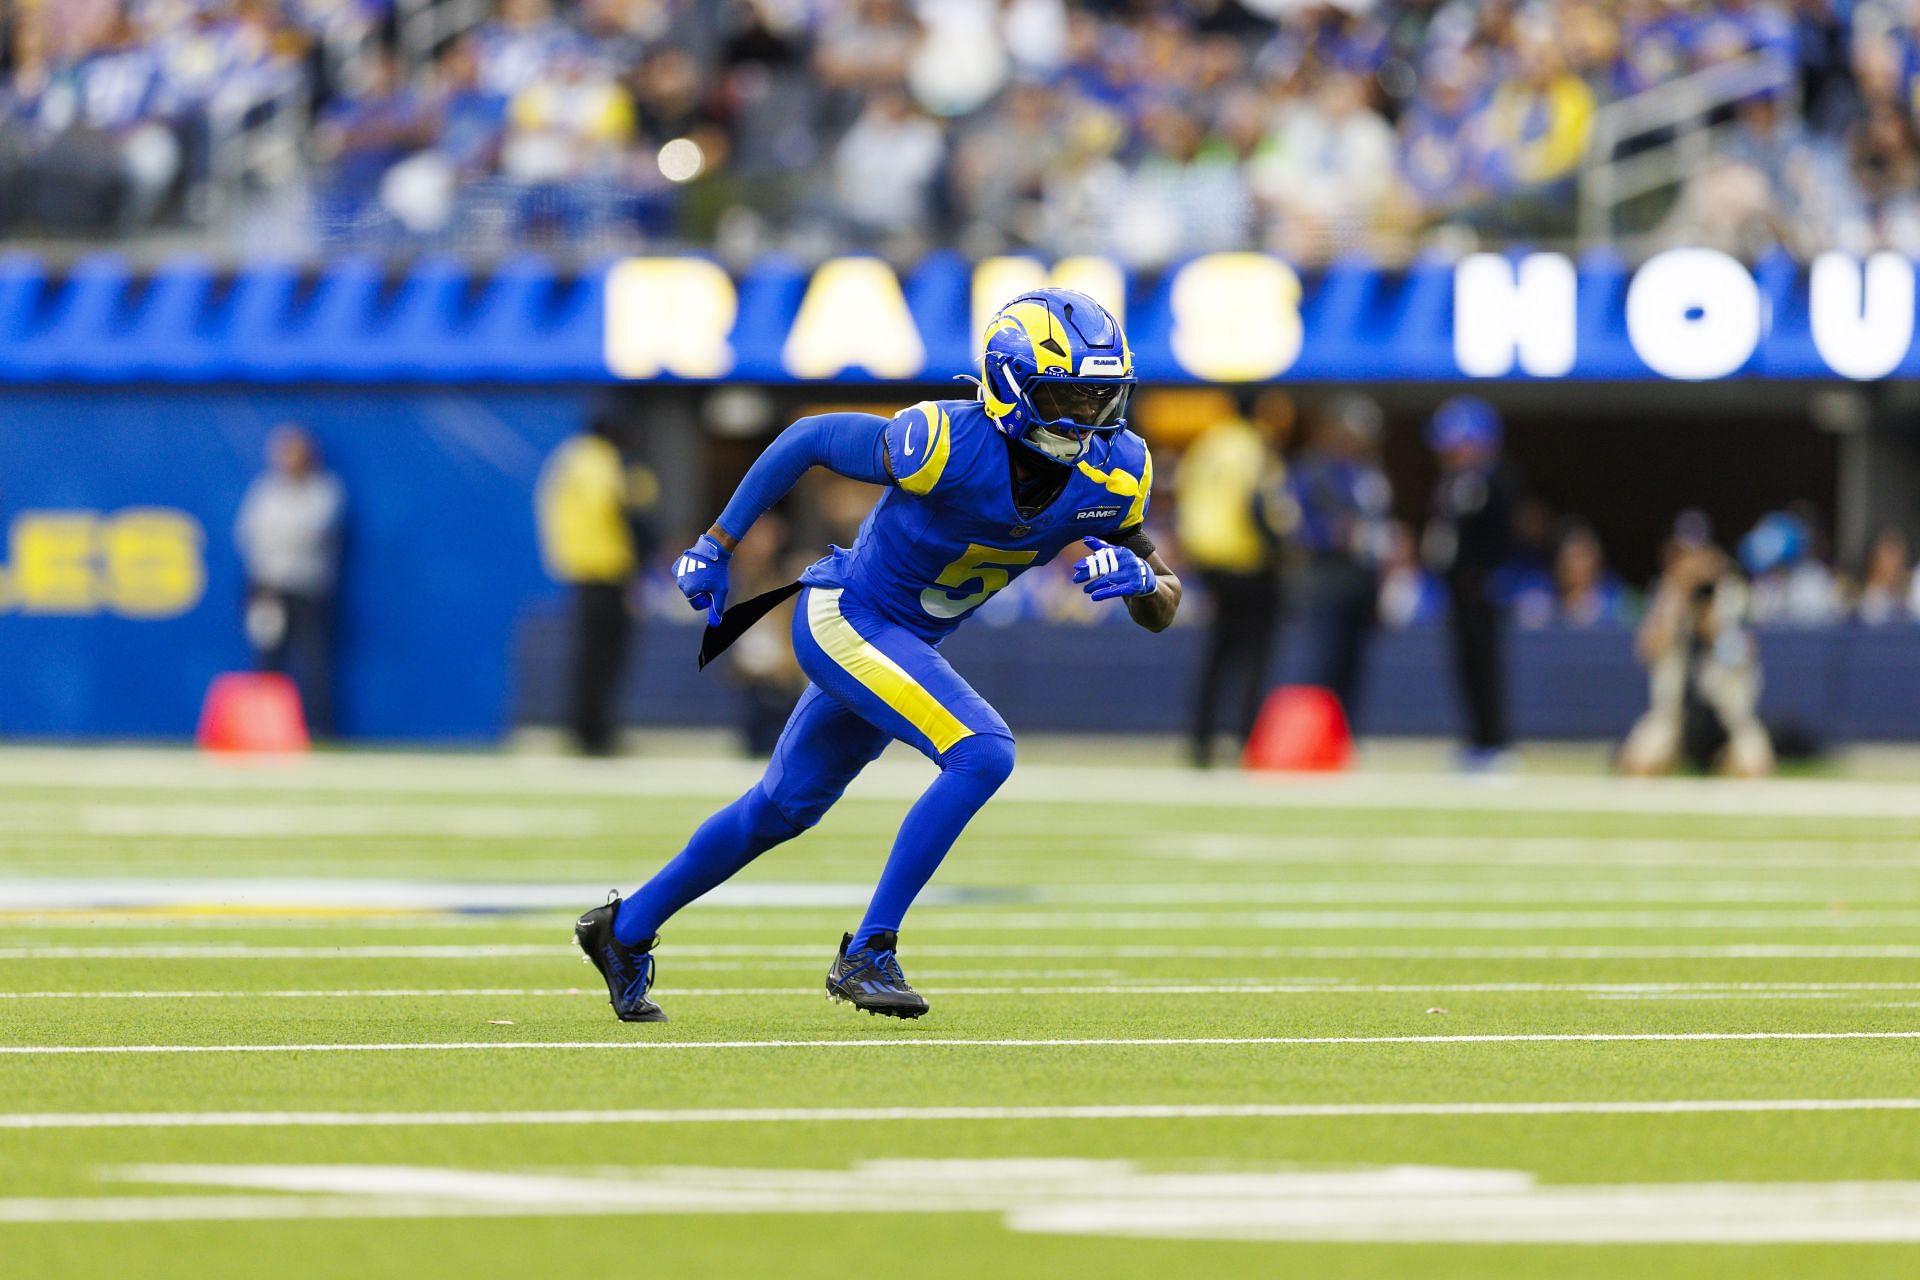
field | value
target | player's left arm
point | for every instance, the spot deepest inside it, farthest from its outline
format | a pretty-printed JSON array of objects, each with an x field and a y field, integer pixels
[
  {"x": 852, "y": 444},
  {"x": 1131, "y": 568},
  {"x": 1155, "y": 612},
  {"x": 1128, "y": 566}
]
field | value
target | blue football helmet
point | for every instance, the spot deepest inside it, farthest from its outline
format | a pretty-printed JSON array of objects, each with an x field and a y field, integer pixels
[{"x": 1056, "y": 371}]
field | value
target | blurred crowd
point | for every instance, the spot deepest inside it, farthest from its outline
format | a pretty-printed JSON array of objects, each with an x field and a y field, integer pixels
[
  {"x": 114, "y": 115},
  {"x": 1144, "y": 129},
  {"x": 1276, "y": 486},
  {"x": 1559, "y": 576}
]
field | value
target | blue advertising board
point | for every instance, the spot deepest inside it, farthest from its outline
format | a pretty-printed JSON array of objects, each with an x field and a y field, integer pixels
[{"x": 1685, "y": 315}]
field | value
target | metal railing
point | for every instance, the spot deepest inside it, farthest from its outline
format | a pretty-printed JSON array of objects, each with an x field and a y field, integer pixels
[
  {"x": 252, "y": 144},
  {"x": 422, "y": 26},
  {"x": 1657, "y": 139}
]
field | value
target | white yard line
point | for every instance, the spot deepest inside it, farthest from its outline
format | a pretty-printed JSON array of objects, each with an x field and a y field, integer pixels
[
  {"x": 834, "y": 899},
  {"x": 1249, "y": 987},
  {"x": 113, "y": 856},
  {"x": 269, "y": 892},
  {"x": 370, "y": 993},
  {"x": 461, "y": 1046},
  {"x": 1171, "y": 951},
  {"x": 1494, "y": 849},
  {"x": 1398, "y": 1204},
  {"x": 900, "y": 778},
  {"x": 19, "y": 923},
  {"x": 1005, "y": 920},
  {"x": 309, "y": 821},
  {"x": 846, "y": 1115},
  {"x": 410, "y": 951},
  {"x": 1470, "y": 891},
  {"x": 142, "y": 891}
]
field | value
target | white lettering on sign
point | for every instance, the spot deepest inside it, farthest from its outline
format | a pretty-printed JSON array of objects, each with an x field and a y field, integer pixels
[
  {"x": 1862, "y": 314},
  {"x": 669, "y": 316},
  {"x": 1693, "y": 314},
  {"x": 854, "y": 316},
  {"x": 1236, "y": 317},
  {"x": 1506, "y": 314}
]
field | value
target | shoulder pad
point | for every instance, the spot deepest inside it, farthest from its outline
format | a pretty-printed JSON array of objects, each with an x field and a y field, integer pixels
[{"x": 919, "y": 443}]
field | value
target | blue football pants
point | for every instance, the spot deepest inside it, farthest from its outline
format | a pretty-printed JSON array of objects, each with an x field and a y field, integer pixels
[{"x": 872, "y": 681}]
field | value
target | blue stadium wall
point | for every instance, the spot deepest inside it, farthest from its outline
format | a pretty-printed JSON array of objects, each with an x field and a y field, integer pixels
[
  {"x": 121, "y": 593},
  {"x": 1841, "y": 684}
]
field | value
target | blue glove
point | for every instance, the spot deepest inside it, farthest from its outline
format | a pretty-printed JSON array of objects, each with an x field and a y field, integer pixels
[
  {"x": 701, "y": 575},
  {"x": 1114, "y": 571}
]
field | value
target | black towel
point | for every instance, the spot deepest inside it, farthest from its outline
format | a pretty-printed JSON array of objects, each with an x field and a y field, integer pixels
[{"x": 734, "y": 622}]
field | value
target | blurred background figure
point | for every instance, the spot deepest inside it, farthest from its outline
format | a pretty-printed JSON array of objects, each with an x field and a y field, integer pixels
[
  {"x": 1791, "y": 585},
  {"x": 1587, "y": 593},
  {"x": 593, "y": 507},
  {"x": 288, "y": 533},
  {"x": 1469, "y": 532},
  {"x": 761, "y": 661},
  {"x": 1332, "y": 172},
  {"x": 1526, "y": 580},
  {"x": 1703, "y": 674},
  {"x": 1232, "y": 513},
  {"x": 1410, "y": 595},
  {"x": 884, "y": 171},
  {"x": 1889, "y": 588},
  {"x": 1343, "y": 499}
]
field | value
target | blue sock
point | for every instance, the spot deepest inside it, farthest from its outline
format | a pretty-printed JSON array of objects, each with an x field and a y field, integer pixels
[
  {"x": 726, "y": 842},
  {"x": 970, "y": 772}
]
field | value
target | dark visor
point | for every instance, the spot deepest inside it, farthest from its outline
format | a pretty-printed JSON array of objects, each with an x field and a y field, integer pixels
[{"x": 1087, "y": 404}]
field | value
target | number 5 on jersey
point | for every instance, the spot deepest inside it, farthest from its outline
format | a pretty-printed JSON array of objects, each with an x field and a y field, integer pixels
[{"x": 991, "y": 567}]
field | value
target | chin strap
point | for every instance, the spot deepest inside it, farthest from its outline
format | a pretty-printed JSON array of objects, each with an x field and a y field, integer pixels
[{"x": 1085, "y": 446}]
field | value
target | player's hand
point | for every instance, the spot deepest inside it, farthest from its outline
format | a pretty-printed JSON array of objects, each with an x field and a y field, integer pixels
[
  {"x": 1114, "y": 571},
  {"x": 701, "y": 575}
]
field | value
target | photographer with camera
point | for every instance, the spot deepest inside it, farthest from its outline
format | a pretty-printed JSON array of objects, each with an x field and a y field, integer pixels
[{"x": 1703, "y": 672}]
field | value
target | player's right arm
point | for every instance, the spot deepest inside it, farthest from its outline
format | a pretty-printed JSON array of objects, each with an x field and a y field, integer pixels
[{"x": 853, "y": 444}]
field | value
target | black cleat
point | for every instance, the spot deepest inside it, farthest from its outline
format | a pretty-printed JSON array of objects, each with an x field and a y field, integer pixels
[
  {"x": 870, "y": 979},
  {"x": 628, "y": 970}
]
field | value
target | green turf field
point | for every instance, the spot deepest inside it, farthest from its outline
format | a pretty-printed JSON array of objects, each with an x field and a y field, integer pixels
[{"x": 324, "y": 1020}]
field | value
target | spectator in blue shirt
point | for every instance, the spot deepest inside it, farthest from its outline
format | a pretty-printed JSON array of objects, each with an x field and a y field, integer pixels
[
  {"x": 1586, "y": 593},
  {"x": 1343, "y": 498},
  {"x": 1439, "y": 149},
  {"x": 468, "y": 119},
  {"x": 368, "y": 133}
]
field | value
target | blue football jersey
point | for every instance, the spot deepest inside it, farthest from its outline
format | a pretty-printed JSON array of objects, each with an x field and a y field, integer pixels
[{"x": 946, "y": 535}]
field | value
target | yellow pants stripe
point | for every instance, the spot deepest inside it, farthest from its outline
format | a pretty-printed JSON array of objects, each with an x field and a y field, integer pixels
[{"x": 881, "y": 675}]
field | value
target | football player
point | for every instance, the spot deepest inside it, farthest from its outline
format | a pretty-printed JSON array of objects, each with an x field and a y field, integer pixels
[{"x": 977, "y": 493}]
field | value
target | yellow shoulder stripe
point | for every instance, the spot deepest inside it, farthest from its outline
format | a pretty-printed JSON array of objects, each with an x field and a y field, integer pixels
[
  {"x": 1137, "y": 512},
  {"x": 1123, "y": 484},
  {"x": 939, "y": 442}
]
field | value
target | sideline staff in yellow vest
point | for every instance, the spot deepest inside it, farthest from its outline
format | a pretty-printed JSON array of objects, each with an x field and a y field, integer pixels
[
  {"x": 1233, "y": 513},
  {"x": 593, "y": 507}
]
